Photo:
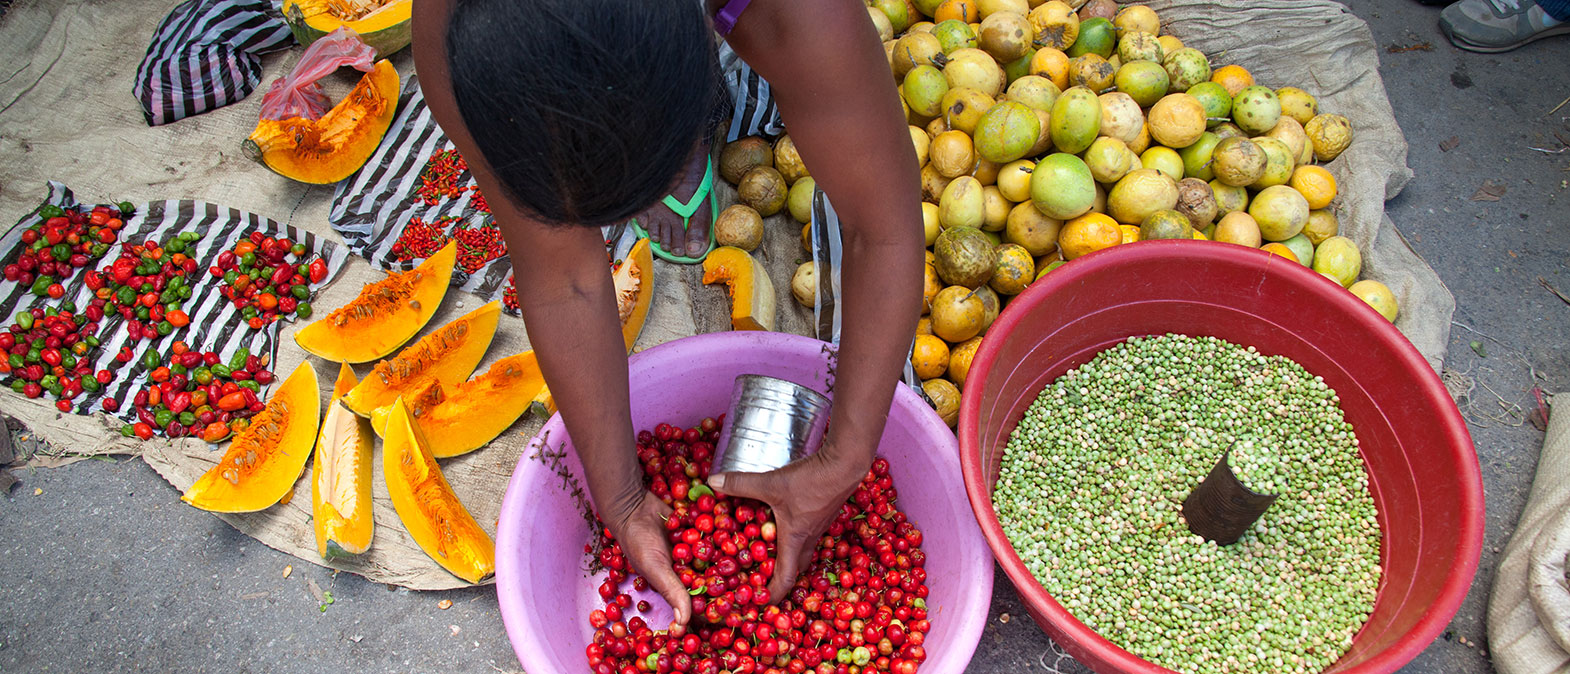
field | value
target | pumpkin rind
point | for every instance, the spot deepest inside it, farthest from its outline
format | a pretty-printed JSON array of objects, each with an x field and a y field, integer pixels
[
  {"x": 430, "y": 511},
  {"x": 475, "y": 412},
  {"x": 447, "y": 355},
  {"x": 263, "y": 461},
  {"x": 751, "y": 291},
  {"x": 341, "y": 478},
  {"x": 332, "y": 148},
  {"x": 387, "y": 30},
  {"x": 385, "y": 314}
]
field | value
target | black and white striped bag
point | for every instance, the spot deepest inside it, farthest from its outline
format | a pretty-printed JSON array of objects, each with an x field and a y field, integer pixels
[
  {"x": 216, "y": 325},
  {"x": 206, "y": 54}
]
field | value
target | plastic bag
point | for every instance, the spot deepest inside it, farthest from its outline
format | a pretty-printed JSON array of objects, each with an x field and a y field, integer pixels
[{"x": 297, "y": 94}]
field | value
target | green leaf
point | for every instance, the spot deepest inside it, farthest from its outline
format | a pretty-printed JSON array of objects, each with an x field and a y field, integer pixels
[{"x": 1478, "y": 347}]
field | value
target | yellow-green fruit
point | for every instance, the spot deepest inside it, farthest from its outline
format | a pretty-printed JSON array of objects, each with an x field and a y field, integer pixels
[
  {"x": 1186, "y": 68},
  {"x": 957, "y": 314},
  {"x": 897, "y": 12},
  {"x": 1108, "y": 159},
  {"x": 1056, "y": 25},
  {"x": 1239, "y": 227},
  {"x": 1144, "y": 81},
  {"x": 1139, "y": 46},
  {"x": 995, "y": 209},
  {"x": 763, "y": 189},
  {"x": 1288, "y": 131},
  {"x": 1163, "y": 159},
  {"x": 920, "y": 142},
  {"x": 1216, "y": 101},
  {"x": 915, "y": 49},
  {"x": 991, "y": 7},
  {"x": 1014, "y": 180},
  {"x": 954, "y": 35},
  {"x": 974, "y": 69},
  {"x": 1238, "y": 161},
  {"x": 882, "y": 23},
  {"x": 986, "y": 171},
  {"x": 1075, "y": 120},
  {"x": 1378, "y": 296},
  {"x": 1177, "y": 120},
  {"x": 1227, "y": 130},
  {"x": 1229, "y": 198},
  {"x": 1165, "y": 224},
  {"x": 1197, "y": 201},
  {"x": 1091, "y": 71},
  {"x": 1035, "y": 91},
  {"x": 1136, "y": 18},
  {"x": 1256, "y": 109},
  {"x": 1330, "y": 134},
  {"x": 1096, "y": 36},
  {"x": 923, "y": 90},
  {"x": 1196, "y": 157},
  {"x": 933, "y": 183},
  {"x": 1302, "y": 248},
  {"x": 991, "y": 305},
  {"x": 1006, "y": 36},
  {"x": 1281, "y": 213},
  {"x": 930, "y": 223},
  {"x": 1032, "y": 230},
  {"x": 1006, "y": 131},
  {"x": 1061, "y": 186},
  {"x": 799, "y": 201},
  {"x": 946, "y": 396},
  {"x": 962, "y": 204},
  {"x": 1016, "y": 269},
  {"x": 1020, "y": 67},
  {"x": 1121, "y": 117},
  {"x": 952, "y": 154},
  {"x": 1338, "y": 258},
  {"x": 1322, "y": 224},
  {"x": 1043, "y": 141},
  {"x": 962, "y": 108},
  {"x": 788, "y": 161},
  {"x": 1297, "y": 104},
  {"x": 964, "y": 256},
  {"x": 1279, "y": 163},
  {"x": 1139, "y": 194}
]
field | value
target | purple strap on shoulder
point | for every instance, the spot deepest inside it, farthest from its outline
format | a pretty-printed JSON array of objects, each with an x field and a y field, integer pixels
[{"x": 725, "y": 19}]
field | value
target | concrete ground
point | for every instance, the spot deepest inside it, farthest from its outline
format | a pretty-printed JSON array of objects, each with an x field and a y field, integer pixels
[{"x": 101, "y": 566}]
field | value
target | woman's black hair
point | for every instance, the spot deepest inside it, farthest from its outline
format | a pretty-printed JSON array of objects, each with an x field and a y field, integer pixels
[{"x": 584, "y": 109}]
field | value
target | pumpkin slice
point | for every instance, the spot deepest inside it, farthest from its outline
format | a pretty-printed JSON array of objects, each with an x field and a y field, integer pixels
[
  {"x": 264, "y": 460},
  {"x": 332, "y": 148},
  {"x": 432, "y": 513},
  {"x": 446, "y": 356},
  {"x": 382, "y": 24},
  {"x": 385, "y": 315},
  {"x": 341, "y": 478},
  {"x": 751, "y": 291},
  {"x": 476, "y": 411},
  {"x": 634, "y": 281}
]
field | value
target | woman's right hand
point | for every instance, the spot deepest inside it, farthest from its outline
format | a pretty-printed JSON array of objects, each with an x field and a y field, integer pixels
[{"x": 641, "y": 532}]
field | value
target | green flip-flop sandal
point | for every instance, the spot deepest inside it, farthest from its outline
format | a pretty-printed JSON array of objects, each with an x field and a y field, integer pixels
[{"x": 686, "y": 210}]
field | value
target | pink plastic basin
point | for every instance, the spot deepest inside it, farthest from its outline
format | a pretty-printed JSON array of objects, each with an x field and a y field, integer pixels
[
  {"x": 1424, "y": 471},
  {"x": 545, "y": 592}
]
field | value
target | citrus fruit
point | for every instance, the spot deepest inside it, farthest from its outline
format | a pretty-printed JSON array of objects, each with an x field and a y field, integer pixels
[
  {"x": 1016, "y": 269},
  {"x": 1278, "y": 249},
  {"x": 1278, "y": 163},
  {"x": 1051, "y": 64},
  {"x": 1088, "y": 233},
  {"x": 1006, "y": 131},
  {"x": 1280, "y": 212},
  {"x": 1140, "y": 46},
  {"x": 1216, "y": 101},
  {"x": 1239, "y": 228},
  {"x": 1256, "y": 109},
  {"x": 1096, "y": 36},
  {"x": 1330, "y": 134},
  {"x": 965, "y": 257},
  {"x": 1034, "y": 231},
  {"x": 945, "y": 398},
  {"x": 1166, "y": 224},
  {"x": 959, "y": 360},
  {"x": 1196, "y": 157},
  {"x": 966, "y": 11},
  {"x": 957, "y": 314},
  {"x": 1186, "y": 68},
  {"x": 1144, "y": 81},
  {"x": 1297, "y": 104},
  {"x": 953, "y": 35},
  {"x": 931, "y": 284},
  {"x": 1035, "y": 91},
  {"x": 1121, "y": 117},
  {"x": 1302, "y": 248},
  {"x": 1238, "y": 161},
  {"x": 1091, "y": 71},
  {"x": 1136, "y": 18},
  {"x": 1139, "y": 194},
  {"x": 1130, "y": 233},
  {"x": 1315, "y": 184},
  {"x": 1061, "y": 186},
  {"x": 929, "y": 357},
  {"x": 1229, "y": 198},
  {"x": 1338, "y": 258},
  {"x": 1177, "y": 120},
  {"x": 1234, "y": 78},
  {"x": 1163, "y": 159},
  {"x": 1014, "y": 180},
  {"x": 1056, "y": 24},
  {"x": 995, "y": 209},
  {"x": 924, "y": 327},
  {"x": 1322, "y": 224},
  {"x": 1378, "y": 296},
  {"x": 1108, "y": 159}
]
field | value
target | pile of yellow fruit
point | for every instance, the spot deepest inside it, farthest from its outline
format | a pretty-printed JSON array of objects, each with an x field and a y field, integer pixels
[{"x": 1048, "y": 130}]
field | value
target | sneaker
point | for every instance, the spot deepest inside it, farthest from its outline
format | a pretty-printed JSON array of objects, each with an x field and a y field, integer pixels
[{"x": 1497, "y": 25}]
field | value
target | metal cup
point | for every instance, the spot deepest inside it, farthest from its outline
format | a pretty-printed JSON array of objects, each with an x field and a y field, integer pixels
[{"x": 771, "y": 422}]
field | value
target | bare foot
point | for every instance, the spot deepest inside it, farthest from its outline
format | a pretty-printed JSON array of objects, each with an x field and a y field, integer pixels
[{"x": 665, "y": 226}]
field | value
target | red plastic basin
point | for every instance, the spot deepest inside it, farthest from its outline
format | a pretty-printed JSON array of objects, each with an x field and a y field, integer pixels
[
  {"x": 1424, "y": 471},
  {"x": 546, "y": 594}
]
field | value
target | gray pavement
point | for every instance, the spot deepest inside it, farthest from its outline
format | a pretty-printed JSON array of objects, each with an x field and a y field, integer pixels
[{"x": 102, "y": 567}]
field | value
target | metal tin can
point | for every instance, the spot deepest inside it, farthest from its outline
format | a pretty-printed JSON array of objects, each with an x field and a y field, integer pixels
[{"x": 771, "y": 422}]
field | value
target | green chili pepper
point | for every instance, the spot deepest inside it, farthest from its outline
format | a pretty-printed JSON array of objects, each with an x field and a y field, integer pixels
[{"x": 237, "y": 361}]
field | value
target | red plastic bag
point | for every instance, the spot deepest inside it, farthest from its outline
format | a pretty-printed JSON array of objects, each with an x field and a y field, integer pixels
[{"x": 297, "y": 94}]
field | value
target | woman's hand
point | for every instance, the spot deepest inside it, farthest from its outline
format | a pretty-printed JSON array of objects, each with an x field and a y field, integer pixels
[
  {"x": 641, "y": 532},
  {"x": 806, "y": 497}
]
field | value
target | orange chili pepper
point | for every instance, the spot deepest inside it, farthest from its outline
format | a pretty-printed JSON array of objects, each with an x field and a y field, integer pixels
[
  {"x": 231, "y": 402},
  {"x": 178, "y": 347},
  {"x": 268, "y": 301},
  {"x": 154, "y": 396},
  {"x": 178, "y": 319},
  {"x": 243, "y": 247},
  {"x": 160, "y": 375},
  {"x": 198, "y": 398},
  {"x": 215, "y": 431}
]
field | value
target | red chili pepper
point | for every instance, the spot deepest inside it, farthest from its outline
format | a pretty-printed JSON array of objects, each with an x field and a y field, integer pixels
[{"x": 318, "y": 269}]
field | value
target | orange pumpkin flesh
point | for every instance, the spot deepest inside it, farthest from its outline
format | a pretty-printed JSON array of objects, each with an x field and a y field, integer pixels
[
  {"x": 446, "y": 356},
  {"x": 385, "y": 314},
  {"x": 751, "y": 291},
  {"x": 332, "y": 148},
  {"x": 426, "y": 504},
  {"x": 477, "y": 411},
  {"x": 264, "y": 460},
  {"x": 341, "y": 478}
]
